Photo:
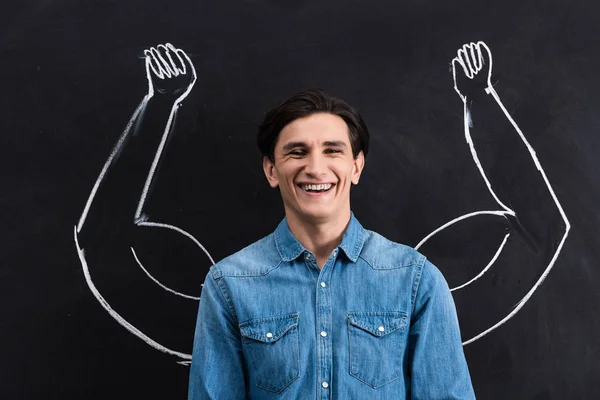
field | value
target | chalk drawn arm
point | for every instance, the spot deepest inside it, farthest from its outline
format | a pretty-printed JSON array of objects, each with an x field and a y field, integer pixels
[
  {"x": 117, "y": 202},
  {"x": 129, "y": 171},
  {"x": 506, "y": 161},
  {"x": 113, "y": 217},
  {"x": 509, "y": 166}
]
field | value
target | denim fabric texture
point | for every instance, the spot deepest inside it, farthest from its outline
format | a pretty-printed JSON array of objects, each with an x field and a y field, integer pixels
[{"x": 376, "y": 322}]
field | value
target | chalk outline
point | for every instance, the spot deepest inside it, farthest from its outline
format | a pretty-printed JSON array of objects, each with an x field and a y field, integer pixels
[
  {"x": 162, "y": 69},
  {"x": 471, "y": 66}
]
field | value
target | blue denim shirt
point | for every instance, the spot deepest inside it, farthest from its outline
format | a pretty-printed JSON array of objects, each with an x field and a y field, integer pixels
[{"x": 377, "y": 322}]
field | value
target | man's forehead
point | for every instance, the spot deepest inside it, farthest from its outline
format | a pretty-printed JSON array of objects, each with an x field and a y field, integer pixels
[{"x": 316, "y": 130}]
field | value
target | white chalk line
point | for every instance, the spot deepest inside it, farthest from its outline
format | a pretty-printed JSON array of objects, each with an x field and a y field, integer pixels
[
  {"x": 470, "y": 72},
  {"x": 471, "y": 69},
  {"x": 172, "y": 115},
  {"x": 166, "y": 226},
  {"x": 179, "y": 230},
  {"x": 488, "y": 266},
  {"x": 161, "y": 68},
  {"x": 524, "y": 300},
  {"x": 116, "y": 315},
  {"x": 115, "y": 151},
  {"x": 545, "y": 273},
  {"x": 168, "y": 289},
  {"x": 462, "y": 217},
  {"x": 160, "y": 73}
]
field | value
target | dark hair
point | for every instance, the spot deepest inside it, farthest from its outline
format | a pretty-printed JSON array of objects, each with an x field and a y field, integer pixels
[{"x": 304, "y": 104}]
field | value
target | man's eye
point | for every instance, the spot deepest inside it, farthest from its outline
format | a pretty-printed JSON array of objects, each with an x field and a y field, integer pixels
[
  {"x": 333, "y": 151},
  {"x": 296, "y": 153}
]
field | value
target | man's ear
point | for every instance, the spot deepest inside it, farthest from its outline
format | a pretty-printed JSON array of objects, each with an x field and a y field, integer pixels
[
  {"x": 359, "y": 163},
  {"x": 269, "y": 168}
]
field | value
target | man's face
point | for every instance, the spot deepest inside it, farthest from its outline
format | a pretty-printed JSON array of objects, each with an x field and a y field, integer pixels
[{"x": 314, "y": 167}]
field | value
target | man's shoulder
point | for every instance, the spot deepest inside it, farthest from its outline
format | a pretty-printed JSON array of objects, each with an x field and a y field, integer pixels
[
  {"x": 254, "y": 260},
  {"x": 382, "y": 253}
]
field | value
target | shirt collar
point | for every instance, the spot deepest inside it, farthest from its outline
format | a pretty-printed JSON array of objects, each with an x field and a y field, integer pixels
[
  {"x": 353, "y": 239},
  {"x": 289, "y": 248}
]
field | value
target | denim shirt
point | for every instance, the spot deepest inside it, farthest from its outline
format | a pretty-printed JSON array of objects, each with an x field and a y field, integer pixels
[{"x": 376, "y": 322}]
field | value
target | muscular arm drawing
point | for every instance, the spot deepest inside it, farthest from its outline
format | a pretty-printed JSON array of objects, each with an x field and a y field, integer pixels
[
  {"x": 114, "y": 216},
  {"x": 514, "y": 176}
]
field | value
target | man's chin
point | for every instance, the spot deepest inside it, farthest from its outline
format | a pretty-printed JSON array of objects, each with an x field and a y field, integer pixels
[
  {"x": 314, "y": 213},
  {"x": 318, "y": 214}
]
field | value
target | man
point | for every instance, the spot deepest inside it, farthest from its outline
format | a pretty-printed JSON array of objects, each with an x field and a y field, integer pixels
[{"x": 323, "y": 308}]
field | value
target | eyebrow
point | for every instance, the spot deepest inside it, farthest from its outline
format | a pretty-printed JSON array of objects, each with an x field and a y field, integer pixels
[
  {"x": 334, "y": 143},
  {"x": 292, "y": 145},
  {"x": 329, "y": 143}
]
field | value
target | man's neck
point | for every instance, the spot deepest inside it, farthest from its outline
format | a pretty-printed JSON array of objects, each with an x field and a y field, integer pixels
[{"x": 319, "y": 237}]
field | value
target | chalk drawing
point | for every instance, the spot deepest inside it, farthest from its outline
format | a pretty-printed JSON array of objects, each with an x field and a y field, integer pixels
[
  {"x": 166, "y": 62},
  {"x": 162, "y": 62},
  {"x": 470, "y": 61}
]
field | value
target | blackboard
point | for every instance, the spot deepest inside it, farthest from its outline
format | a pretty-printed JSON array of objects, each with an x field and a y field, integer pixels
[{"x": 74, "y": 75}]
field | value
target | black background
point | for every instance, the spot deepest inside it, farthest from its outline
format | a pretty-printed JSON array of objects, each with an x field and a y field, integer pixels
[{"x": 72, "y": 73}]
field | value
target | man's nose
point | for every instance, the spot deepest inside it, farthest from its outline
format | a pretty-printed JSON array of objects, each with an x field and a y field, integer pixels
[{"x": 315, "y": 165}]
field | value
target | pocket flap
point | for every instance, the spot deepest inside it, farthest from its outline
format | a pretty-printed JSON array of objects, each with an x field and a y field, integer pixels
[
  {"x": 269, "y": 329},
  {"x": 378, "y": 323}
]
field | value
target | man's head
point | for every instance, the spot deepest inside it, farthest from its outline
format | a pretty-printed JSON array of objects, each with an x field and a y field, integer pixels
[
  {"x": 314, "y": 147},
  {"x": 303, "y": 104}
]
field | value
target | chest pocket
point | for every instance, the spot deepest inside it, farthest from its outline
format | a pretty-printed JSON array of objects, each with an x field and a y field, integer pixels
[
  {"x": 273, "y": 348},
  {"x": 376, "y": 341}
]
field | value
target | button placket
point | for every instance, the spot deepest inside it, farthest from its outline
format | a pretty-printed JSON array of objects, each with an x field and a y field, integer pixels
[{"x": 323, "y": 320}]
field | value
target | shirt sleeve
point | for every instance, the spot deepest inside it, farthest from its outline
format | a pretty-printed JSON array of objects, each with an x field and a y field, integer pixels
[
  {"x": 216, "y": 371},
  {"x": 438, "y": 366}
]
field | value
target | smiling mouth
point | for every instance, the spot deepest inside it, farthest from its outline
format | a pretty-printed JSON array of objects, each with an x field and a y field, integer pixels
[{"x": 321, "y": 188}]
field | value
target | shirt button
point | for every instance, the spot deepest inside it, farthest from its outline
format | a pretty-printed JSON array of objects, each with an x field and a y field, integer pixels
[
  {"x": 381, "y": 329},
  {"x": 308, "y": 256},
  {"x": 269, "y": 335},
  {"x": 325, "y": 385},
  {"x": 323, "y": 333},
  {"x": 323, "y": 284}
]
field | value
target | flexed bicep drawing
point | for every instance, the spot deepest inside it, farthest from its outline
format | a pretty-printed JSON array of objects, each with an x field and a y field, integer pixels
[
  {"x": 115, "y": 234},
  {"x": 527, "y": 204},
  {"x": 114, "y": 229}
]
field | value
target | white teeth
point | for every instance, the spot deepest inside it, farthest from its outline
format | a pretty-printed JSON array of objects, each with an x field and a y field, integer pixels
[{"x": 326, "y": 186}]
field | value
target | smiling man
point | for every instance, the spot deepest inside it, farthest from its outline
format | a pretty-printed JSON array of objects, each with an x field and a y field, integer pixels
[{"x": 323, "y": 308}]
